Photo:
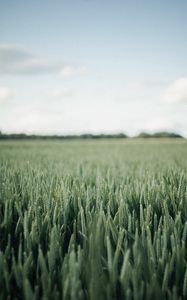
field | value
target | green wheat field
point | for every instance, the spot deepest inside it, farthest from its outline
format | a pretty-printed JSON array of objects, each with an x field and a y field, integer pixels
[{"x": 93, "y": 219}]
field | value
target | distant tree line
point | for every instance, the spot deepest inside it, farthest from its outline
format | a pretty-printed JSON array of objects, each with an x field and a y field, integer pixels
[
  {"x": 23, "y": 136},
  {"x": 161, "y": 134}
]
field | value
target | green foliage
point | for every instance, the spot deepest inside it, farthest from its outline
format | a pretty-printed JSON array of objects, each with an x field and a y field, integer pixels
[
  {"x": 87, "y": 136},
  {"x": 162, "y": 134},
  {"x": 93, "y": 220}
]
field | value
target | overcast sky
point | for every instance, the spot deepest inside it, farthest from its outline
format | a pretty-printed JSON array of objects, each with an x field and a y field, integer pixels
[{"x": 73, "y": 66}]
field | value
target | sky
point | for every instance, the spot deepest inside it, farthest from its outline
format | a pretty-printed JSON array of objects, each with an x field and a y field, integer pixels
[{"x": 93, "y": 66}]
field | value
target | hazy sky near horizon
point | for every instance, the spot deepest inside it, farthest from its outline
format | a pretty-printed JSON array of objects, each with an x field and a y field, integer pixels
[{"x": 73, "y": 66}]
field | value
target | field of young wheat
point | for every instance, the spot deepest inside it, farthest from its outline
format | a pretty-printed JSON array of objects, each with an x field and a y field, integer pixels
[{"x": 93, "y": 220}]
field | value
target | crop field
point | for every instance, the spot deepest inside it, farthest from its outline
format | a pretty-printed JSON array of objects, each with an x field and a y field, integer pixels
[{"x": 93, "y": 219}]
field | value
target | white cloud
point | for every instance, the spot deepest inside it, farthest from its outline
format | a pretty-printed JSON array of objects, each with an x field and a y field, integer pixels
[
  {"x": 62, "y": 117},
  {"x": 60, "y": 93},
  {"x": 159, "y": 124},
  {"x": 176, "y": 91},
  {"x": 145, "y": 85},
  {"x": 5, "y": 93},
  {"x": 18, "y": 60},
  {"x": 71, "y": 71}
]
